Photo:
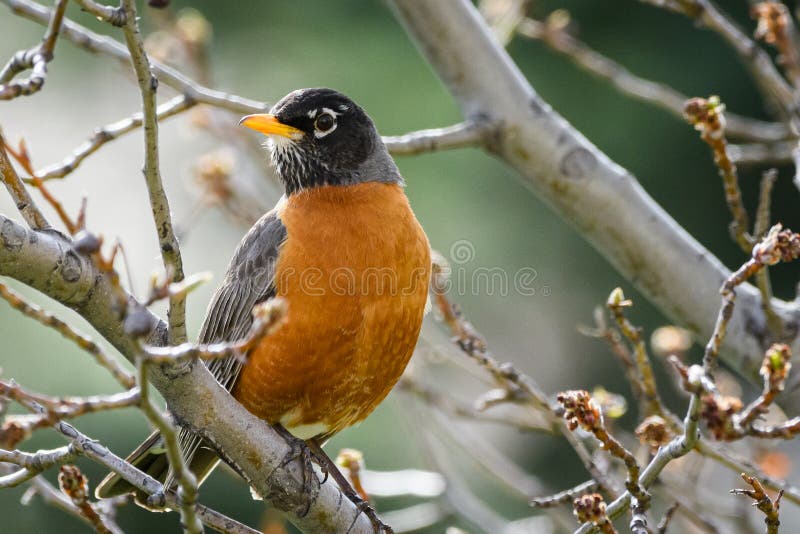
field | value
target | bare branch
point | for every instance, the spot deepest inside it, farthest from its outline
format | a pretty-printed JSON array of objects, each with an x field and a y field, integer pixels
[
  {"x": 56, "y": 408},
  {"x": 778, "y": 245},
  {"x": 50, "y": 495},
  {"x": 616, "y": 304},
  {"x": 31, "y": 464},
  {"x": 116, "y": 16},
  {"x": 19, "y": 194},
  {"x": 94, "y": 450},
  {"x": 773, "y": 153},
  {"x": 187, "y": 482},
  {"x": 35, "y": 59},
  {"x": 775, "y": 26},
  {"x": 591, "y": 508},
  {"x": 268, "y": 317},
  {"x": 679, "y": 446},
  {"x": 170, "y": 250},
  {"x": 761, "y": 67},
  {"x": 94, "y": 42},
  {"x": 768, "y": 506},
  {"x": 565, "y": 496},
  {"x": 110, "y": 132},
  {"x": 464, "y": 134},
  {"x": 557, "y": 37},
  {"x": 76, "y": 487},
  {"x": 706, "y": 115},
  {"x": 48, "y": 319},
  {"x": 580, "y": 409}
]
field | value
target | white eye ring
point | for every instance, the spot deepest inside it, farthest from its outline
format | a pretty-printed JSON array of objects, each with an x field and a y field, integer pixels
[{"x": 319, "y": 132}]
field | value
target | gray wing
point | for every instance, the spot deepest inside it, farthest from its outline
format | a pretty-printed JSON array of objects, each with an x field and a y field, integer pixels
[{"x": 248, "y": 281}]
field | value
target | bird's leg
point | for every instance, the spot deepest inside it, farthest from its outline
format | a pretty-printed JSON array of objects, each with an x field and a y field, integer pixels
[
  {"x": 330, "y": 466},
  {"x": 300, "y": 451}
]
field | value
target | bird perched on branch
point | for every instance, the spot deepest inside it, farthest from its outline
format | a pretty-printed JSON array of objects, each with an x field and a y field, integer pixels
[{"x": 344, "y": 250}]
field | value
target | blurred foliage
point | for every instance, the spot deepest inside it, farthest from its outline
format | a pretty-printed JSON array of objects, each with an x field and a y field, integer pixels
[{"x": 265, "y": 49}]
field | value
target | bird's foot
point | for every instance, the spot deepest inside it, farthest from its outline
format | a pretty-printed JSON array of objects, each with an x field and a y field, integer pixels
[
  {"x": 299, "y": 451},
  {"x": 366, "y": 508}
]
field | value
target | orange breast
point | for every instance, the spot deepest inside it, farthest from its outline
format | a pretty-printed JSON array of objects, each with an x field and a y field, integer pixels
[{"x": 354, "y": 270}]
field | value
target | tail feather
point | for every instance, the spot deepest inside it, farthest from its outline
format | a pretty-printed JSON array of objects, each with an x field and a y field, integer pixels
[
  {"x": 148, "y": 457},
  {"x": 151, "y": 458}
]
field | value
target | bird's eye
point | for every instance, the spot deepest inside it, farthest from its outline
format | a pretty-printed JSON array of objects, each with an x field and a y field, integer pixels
[{"x": 324, "y": 122}]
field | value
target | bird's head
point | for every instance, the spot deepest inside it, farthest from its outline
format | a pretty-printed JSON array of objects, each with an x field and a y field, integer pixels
[{"x": 320, "y": 137}]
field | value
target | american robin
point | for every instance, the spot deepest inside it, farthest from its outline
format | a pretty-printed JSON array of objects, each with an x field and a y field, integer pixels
[{"x": 345, "y": 251}]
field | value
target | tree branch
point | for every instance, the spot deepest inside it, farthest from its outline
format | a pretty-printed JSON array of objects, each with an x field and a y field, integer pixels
[
  {"x": 463, "y": 134},
  {"x": 94, "y": 42},
  {"x": 35, "y": 58},
  {"x": 19, "y": 194},
  {"x": 602, "y": 200},
  {"x": 170, "y": 250},
  {"x": 657, "y": 94},
  {"x": 110, "y": 132}
]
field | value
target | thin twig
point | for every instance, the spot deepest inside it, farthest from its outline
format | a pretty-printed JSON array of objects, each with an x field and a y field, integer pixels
[
  {"x": 50, "y": 495},
  {"x": 620, "y": 351},
  {"x": 679, "y": 446},
  {"x": 110, "y": 132},
  {"x": 580, "y": 409},
  {"x": 774, "y": 371},
  {"x": 516, "y": 386},
  {"x": 775, "y": 27},
  {"x": 661, "y": 528},
  {"x": 772, "y": 153},
  {"x": 463, "y": 134},
  {"x": 451, "y": 406},
  {"x": 728, "y": 459},
  {"x": 56, "y": 408},
  {"x": 170, "y": 250},
  {"x": 268, "y": 317},
  {"x": 563, "y": 497},
  {"x": 616, "y": 303},
  {"x": 31, "y": 464},
  {"x": 115, "y": 16},
  {"x": 89, "y": 40},
  {"x": 76, "y": 486},
  {"x": 761, "y": 67},
  {"x": 187, "y": 482},
  {"x": 22, "y": 157},
  {"x": 706, "y": 116},
  {"x": 778, "y": 245},
  {"x": 93, "y": 450},
  {"x": 19, "y": 194},
  {"x": 48, "y": 319},
  {"x": 35, "y": 59},
  {"x": 763, "y": 502},
  {"x": 555, "y": 34},
  {"x": 760, "y": 228}
]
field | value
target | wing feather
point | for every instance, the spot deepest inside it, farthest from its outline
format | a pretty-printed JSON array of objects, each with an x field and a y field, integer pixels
[{"x": 249, "y": 280}]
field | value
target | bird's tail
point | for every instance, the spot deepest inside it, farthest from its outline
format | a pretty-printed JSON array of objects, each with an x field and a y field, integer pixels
[{"x": 151, "y": 457}]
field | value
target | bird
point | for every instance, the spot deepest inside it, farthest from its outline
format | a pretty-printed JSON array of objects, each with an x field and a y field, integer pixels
[{"x": 345, "y": 251}]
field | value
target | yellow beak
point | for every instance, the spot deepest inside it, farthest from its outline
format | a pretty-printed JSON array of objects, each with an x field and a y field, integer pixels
[{"x": 268, "y": 124}]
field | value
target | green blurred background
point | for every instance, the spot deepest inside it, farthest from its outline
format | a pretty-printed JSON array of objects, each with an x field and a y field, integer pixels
[{"x": 263, "y": 49}]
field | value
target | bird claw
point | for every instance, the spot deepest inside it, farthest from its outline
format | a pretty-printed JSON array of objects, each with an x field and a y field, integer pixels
[
  {"x": 366, "y": 508},
  {"x": 300, "y": 451}
]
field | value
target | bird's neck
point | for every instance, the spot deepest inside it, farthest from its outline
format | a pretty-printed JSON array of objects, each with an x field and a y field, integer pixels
[{"x": 299, "y": 172}]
